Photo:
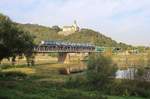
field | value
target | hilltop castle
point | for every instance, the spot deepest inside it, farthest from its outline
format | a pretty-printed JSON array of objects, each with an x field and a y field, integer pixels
[{"x": 67, "y": 30}]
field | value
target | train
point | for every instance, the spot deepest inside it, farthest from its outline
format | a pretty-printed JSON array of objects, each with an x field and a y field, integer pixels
[
  {"x": 62, "y": 43},
  {"x": 79, "y": 45}
]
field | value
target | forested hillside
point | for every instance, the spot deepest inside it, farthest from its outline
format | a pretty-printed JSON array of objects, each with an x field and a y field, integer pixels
[
  {"x": 83, "y": 36},
  {"x": 41, "y": 32}
]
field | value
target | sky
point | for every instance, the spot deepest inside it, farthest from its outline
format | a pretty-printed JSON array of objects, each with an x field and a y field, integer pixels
[{"x": 125, "y": 21}]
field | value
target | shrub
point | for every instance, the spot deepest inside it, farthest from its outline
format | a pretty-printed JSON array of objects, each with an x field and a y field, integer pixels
[
  {"x": 12, "y": 66},
  {"x": 76, "y": 82},
  {"x": 100, "y": 70},
  {"x": 129, "y": 88},
  {"x": 12, "y": 75},
  {"x": 122, "y": 87},
  {"x": 80, "y": 95},
  {"x": 143, "y": 88},
  {"x": 6, "y": 66}
]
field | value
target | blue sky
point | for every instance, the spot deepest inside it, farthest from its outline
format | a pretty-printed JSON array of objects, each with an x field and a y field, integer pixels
[{"x": 123, "y": 20}]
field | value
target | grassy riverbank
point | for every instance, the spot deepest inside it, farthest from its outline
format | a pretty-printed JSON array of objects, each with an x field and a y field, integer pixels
[{"x": 42, "y": 81}]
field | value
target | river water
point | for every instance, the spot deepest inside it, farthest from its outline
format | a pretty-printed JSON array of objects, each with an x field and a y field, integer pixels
[{"x": 126, "y": 74}]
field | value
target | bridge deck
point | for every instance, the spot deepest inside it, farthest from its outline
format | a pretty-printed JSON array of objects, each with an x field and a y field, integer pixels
[
  {"x": 47, "y": 49},
  {"x": 51, "y": 46}
]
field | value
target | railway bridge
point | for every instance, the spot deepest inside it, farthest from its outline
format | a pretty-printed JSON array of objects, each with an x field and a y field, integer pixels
[{"x": 64, "y": 48}]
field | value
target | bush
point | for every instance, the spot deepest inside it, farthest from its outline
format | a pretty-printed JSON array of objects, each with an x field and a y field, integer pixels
[
  {"x": 6, "y": 66},
  {"x": 10, "y": 66},
  {"x": 100, "y": 70},
  {"x": 14, "y": 75},
  {"x": 76, "y": 82},
  {"x": 143, "y": 88},
  {"x": 80, "y": 95},
  {"x": 129, "y": 88},
  {"x": 122, "y": 87}
]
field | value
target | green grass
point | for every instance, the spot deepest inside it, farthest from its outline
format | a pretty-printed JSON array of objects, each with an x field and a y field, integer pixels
[
  {"x": 42, "y": 81},
  {"x": 124, "y": 97}
]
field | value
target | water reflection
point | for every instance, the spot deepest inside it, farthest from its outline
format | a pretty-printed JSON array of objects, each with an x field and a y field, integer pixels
[{"x": 126, "y": 74}]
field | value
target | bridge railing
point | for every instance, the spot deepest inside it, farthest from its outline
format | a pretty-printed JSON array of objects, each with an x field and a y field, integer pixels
[{"x": 49, "y": 48}]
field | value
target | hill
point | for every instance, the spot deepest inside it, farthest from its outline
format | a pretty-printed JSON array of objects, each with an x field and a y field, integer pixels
[
  {"x": 83, "y": 36},
  {"x": 41, "y": 32}
]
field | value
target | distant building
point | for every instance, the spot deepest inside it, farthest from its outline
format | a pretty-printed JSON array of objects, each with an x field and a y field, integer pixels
[
  {"x": 67, "y": 30},
  {"x": 72, "y": 28}
]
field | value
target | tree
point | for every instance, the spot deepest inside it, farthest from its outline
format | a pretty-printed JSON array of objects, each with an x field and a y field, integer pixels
[
  {"x": 100, "y": 70},
  {"x": 57, "y": 28},
  {"x": 13, "y": 40},
  {"x": 148, "y": 59},
  {"x": 140, "y": 69}
]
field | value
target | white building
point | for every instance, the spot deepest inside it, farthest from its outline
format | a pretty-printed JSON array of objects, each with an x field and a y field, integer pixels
[{"x": 67, "y": 30}]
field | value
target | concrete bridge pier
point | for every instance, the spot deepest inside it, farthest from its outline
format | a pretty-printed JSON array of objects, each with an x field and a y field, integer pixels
[{"x": 63, "y": 57}]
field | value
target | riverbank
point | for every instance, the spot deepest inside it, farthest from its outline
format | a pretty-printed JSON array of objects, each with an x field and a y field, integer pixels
[{"x": 42, "y": 81}]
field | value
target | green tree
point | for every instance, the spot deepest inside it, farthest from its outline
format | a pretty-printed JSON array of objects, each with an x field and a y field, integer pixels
[
  {"x": 140, "y": 68},
  {"x": 56, "y": 28},
  {"x": 13, "y": 40},
  {"x": 148, "y": 59},
  {"x": 100, "y": 70}
]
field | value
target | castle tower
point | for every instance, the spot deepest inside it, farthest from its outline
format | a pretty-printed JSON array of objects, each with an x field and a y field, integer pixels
[
  {"x": 75, "y": 23},
  {"x": 75, "y": 26},
  {"x": 67, "y": 30}
]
